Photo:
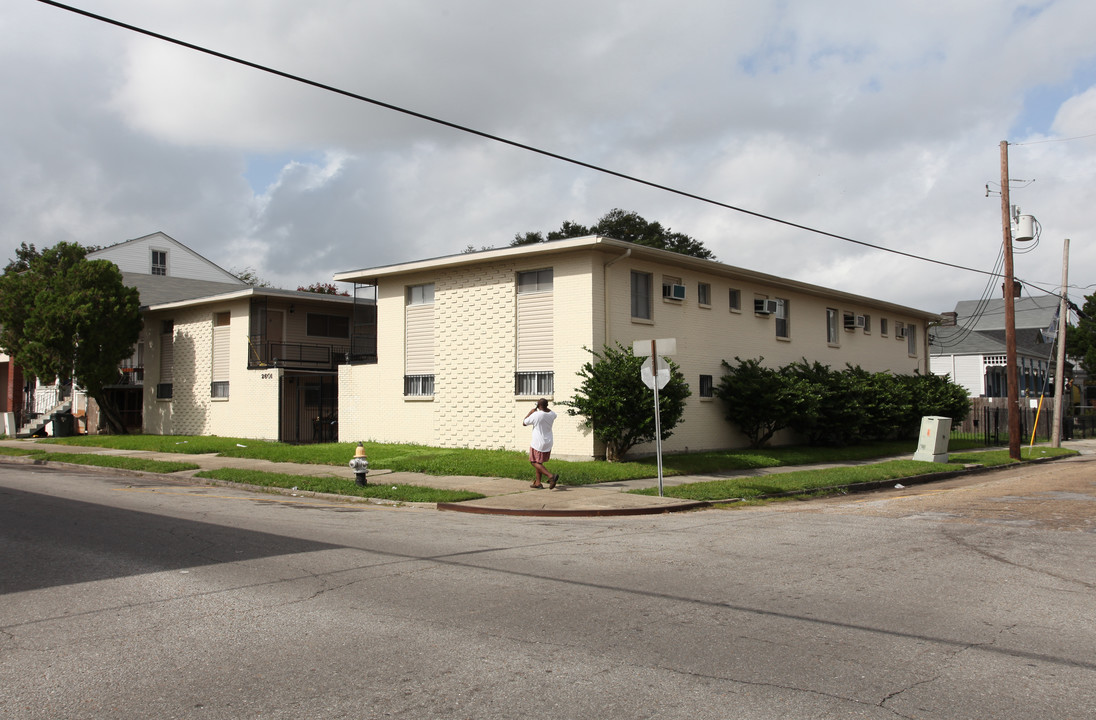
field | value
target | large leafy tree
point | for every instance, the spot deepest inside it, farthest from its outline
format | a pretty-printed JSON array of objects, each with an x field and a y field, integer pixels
[
  {"x": 1081, "y": 339},
  {"x": 618, "y": 407},
  {"x": 624, "y": 225},
  {"x": 250, "y": 276},
  {"x": 322, "y": 288},
  {"x": 24, "y": 254},
  {"x": 65, "y": 316}
]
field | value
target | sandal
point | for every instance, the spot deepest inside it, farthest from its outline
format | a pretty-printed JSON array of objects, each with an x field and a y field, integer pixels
[
  {"x": 538, "y": 486},
  {"x": 552, "y": 482}
]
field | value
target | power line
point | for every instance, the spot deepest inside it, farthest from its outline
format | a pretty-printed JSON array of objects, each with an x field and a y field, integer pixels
[
  {"x": 1050, "y": 140},
  {"x": 496, "y": 138}
]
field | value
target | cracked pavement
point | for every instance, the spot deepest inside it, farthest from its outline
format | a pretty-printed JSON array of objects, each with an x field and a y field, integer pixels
[{"x": 126, "y": 598}]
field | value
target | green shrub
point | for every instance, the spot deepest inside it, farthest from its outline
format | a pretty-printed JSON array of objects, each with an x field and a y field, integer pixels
[
  {"x": 829, "y": 407},
  {"x": 616, "y": 405}
]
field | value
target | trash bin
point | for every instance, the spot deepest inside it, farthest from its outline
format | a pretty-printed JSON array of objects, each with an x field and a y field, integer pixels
[{"x": 63, "y": 424}]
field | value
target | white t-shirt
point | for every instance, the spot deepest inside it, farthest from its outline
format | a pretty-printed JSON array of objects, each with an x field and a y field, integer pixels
[{"x": 542, "y": 429}]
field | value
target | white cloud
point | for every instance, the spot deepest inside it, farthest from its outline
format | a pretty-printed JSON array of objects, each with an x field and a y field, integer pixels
[
  {"x": 1077, "y": 116},
  {"x": 876, "y": 121}
]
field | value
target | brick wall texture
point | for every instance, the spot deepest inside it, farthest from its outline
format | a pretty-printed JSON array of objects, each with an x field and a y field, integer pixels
[{"x": 475, "y": 349}]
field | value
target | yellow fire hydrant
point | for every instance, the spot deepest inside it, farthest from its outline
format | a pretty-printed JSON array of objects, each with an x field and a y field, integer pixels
[{"x": 359, "y": 464}]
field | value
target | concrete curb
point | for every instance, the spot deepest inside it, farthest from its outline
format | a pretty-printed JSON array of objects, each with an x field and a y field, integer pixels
[{"x": 561, "y": 513}]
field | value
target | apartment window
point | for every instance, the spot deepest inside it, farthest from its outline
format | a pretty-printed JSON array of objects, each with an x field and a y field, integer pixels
[
  {"x": 328, "y": 326},
  {"x": 535, "y": 281},
  {"x": 418, "y": 339},
  {"x": 882, "y": 326},
  {"x": 418, "y": 385},
  {"x": 706, "y": 390},
  {"x": 911, "y": 340},
  {"x": 867, "y": 323},
  {"x": 641, "y": 295},
  {"x": 672, "y": 289},
  {"x": 221, "y": 326},
  {"x": 167, "y": 360},
  {"x": 539, "y": 383},
  {"x": 420, "y": 294},
  {"x": 782, "y": 318},
  {"x": 159, "y": 262},
  {"x": 832, "y": 336},
  {"x": 535, "y": 334},
  {"x": 704, "y": 294},
  {"x": 734, "y": 298}
]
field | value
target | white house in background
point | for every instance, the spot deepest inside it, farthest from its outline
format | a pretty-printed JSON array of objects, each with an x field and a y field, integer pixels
[
  {"x": 972, "y": 351},
  {"x": 218, "y": 356},
  {"x": 466, "y": 342},
  {"x": 158, "y": 255},
  {"x": 163, "y": 270}
]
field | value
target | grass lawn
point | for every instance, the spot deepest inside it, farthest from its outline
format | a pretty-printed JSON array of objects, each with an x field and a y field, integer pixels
[
  {"x": 510, "y": 464},
  {"x": 807, "y": 480},
  {"x": 387, "y": 456},
  {"x": 20, "y": 452},
  {"x": 113, "y": 461},
  {"x": 339, "y": 486},
  {"x": 492, "y": 463},
  {"x": 505, "y": 463}
]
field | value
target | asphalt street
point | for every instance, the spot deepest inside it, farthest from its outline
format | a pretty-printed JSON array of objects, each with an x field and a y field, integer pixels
[{"x": 125, "y": 597}]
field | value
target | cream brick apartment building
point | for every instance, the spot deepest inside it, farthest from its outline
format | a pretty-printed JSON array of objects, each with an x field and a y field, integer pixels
[
  {"x": 466, "y": 342},
  {"x": 253, "y": 363},
  {"x": 217, "y": 356}
]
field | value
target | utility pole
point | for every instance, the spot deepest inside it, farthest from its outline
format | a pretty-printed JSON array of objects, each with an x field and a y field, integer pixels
[
  {"x": 1060, "y": 368},
  {"x": 1011, "y": 378}
]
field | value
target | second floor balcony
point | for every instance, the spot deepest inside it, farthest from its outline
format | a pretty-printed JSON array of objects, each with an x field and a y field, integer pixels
[{"x": 295, "y": 356}]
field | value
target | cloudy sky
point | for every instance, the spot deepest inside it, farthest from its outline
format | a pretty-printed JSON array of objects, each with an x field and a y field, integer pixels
[{"x": 877, "y": 121}]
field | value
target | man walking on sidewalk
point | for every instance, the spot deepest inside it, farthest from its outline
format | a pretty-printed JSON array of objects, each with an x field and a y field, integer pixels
[{"x": 540, "y": 447}]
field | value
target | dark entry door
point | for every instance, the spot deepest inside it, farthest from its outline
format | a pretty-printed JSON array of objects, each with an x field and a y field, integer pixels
[{"x": 310, "y": 409}]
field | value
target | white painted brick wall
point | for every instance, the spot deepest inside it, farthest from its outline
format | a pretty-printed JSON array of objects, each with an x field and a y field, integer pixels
[
  {"x": 371, "y": 402},
  {"x": 475, "y": 320},
  {"x": 707, "y": 336},
  {"x": 252, "y": 408}
]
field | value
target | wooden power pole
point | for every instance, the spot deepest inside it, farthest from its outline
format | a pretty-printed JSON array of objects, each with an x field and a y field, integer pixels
[
  {"x": 1011, "y": 378},
  {"x": 1060, "y": 367}
]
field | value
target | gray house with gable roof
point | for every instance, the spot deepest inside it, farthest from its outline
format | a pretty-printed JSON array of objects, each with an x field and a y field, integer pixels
[{"x": 972, "y": 350}]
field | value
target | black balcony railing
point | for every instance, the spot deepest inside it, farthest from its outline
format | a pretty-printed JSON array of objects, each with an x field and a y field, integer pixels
[
  {"x": 131, "y": 376},
  {"x": 295, "y": 355}
]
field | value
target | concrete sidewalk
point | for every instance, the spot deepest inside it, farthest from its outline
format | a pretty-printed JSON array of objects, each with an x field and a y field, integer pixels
[{"x": 503, "y": 496}]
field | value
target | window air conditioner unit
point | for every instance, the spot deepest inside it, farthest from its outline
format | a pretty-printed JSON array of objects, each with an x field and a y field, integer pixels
[
  {"x": 765, "y": 307},
  {"x": 674, "y": 292},
  {"x": 855, "y": 321}
]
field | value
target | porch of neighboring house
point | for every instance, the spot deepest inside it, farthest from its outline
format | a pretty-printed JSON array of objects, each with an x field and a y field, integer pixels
[
  {"x": 43, "y": 403},
  {"x": 1032, "y": 375}
]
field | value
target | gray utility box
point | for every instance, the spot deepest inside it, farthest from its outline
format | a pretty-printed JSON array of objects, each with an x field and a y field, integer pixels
[{"x": 932, "y": 442}]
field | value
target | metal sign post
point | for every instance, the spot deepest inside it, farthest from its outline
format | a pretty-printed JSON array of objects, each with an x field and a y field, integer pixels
[{"x": 656, "y": 377}]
